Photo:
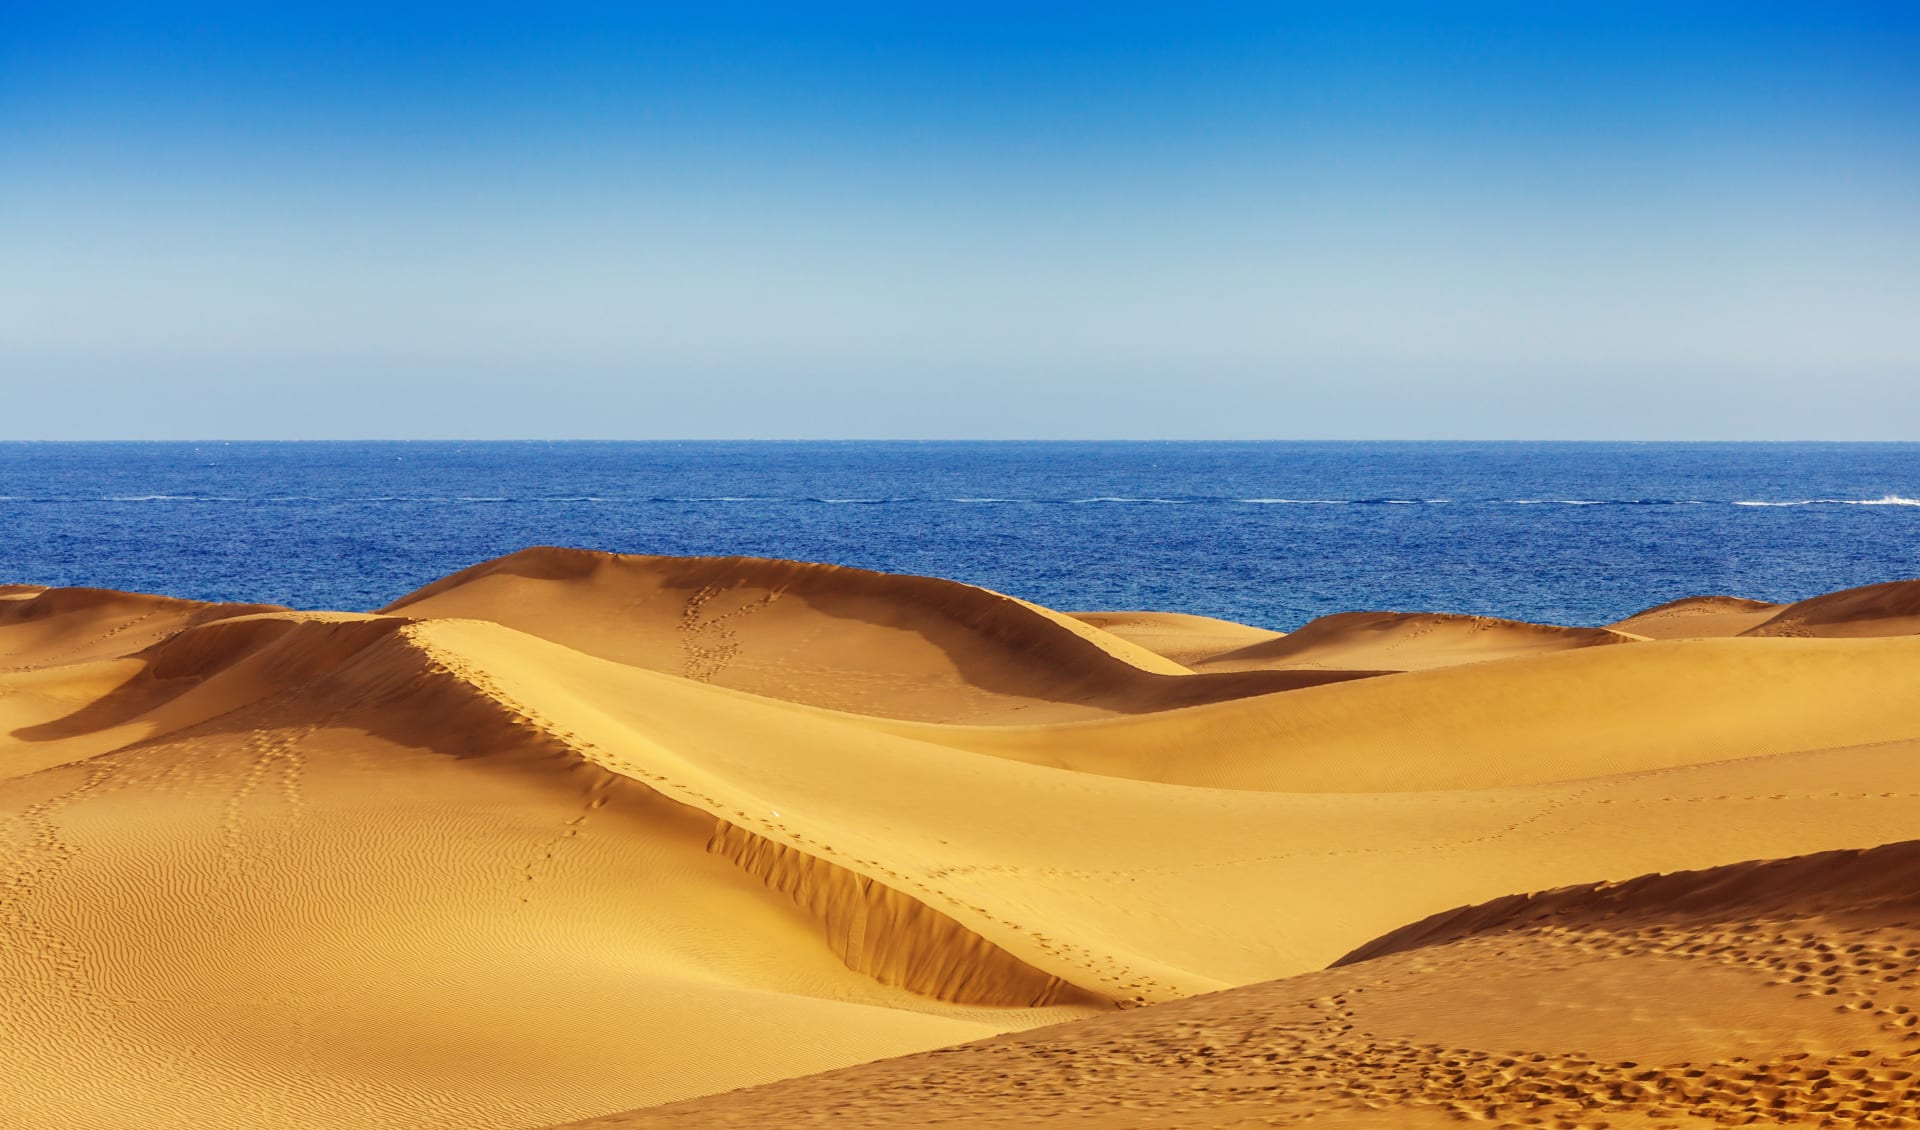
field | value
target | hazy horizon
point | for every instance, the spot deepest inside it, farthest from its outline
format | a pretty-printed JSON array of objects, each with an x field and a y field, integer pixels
[{"x": 1605, "y": 223}]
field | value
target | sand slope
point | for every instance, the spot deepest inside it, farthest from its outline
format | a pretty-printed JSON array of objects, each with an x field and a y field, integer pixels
[
  {"x": 1699, "y": 617},
  {"x": 1586, "y": 713},
  {"x": 541, "y": 842},
  {"x": 1779, "y": 992},
  {"x": 1183, "y": 638}
]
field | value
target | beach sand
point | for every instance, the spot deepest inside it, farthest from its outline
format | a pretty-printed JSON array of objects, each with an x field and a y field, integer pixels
[{"x": 568, "y": 834}]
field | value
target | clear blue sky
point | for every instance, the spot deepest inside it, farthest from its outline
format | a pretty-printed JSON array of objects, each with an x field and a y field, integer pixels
[{"x": 1471, "y": 220}]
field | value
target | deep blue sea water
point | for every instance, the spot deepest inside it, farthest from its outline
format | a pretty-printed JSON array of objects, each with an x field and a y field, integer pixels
[{"x": 1268, "y": 533}]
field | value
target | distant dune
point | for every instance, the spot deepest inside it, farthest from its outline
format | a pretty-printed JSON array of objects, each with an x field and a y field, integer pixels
[
  {"x": 1699, "y": 617},
  {"x": 1180, "y": 637},
  {"x": 1892, "y": 609},
  {"x": 826, "y": 635},
  {"x": 568, "y": 834},
  {"x": 1407, "y": 641}
]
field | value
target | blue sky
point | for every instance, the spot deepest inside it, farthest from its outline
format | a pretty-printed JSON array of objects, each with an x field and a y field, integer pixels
[{"x": 842, "y": 221}]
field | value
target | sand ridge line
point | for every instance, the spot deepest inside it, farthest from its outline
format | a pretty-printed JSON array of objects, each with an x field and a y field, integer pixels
[
  {"x": 953, "y": 957},
  {"x": 857, "y": 911}
]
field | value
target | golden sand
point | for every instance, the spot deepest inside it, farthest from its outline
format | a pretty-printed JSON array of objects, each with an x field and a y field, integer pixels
[{"x": 569, "y": 834}]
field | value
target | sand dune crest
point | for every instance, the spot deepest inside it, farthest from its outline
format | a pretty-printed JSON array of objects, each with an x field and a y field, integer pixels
[{"x": 830, "y": 636}]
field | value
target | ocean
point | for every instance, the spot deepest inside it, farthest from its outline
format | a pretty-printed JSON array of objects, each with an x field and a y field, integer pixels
[{"x": 1272, "y": 534}]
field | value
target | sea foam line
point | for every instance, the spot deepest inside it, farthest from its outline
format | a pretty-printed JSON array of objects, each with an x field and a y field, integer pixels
[
  {"x": 1884, "y": 500},
  {"x": 1895, "y": 500}
]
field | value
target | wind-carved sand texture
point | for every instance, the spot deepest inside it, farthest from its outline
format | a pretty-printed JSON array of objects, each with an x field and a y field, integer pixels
[{"x": 569, "y": 834}]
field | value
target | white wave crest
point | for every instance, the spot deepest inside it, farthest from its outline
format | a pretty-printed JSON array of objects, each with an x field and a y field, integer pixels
[{"x": 1884, "y": 500}]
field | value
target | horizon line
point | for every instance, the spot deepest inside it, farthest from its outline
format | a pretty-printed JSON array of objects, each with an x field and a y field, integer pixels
[{"x": 940, "y": 440}]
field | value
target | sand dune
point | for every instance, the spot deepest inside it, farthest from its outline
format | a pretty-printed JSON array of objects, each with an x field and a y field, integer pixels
[
  {"x": 1406, "y": 641},
  {"x": 39, "y": 626},
  {"x": 1183, "y": 638},
  {"x": 1359, "y": 643},
  {"x": 1587, "y": 713},
  {"x": 1699, "y": 617},
  {"x": 1891, "y": 609},
  {"x": 403, "y": 903},
  {"x": 1868, "y": 888},
  {"x": 826, "y": 635},
  {"x": 571, "y": 833},
  {"x": 1779, "y": 992}
]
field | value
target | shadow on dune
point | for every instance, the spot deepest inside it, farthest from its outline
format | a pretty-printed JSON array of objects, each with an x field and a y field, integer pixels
[
  {"x": 1877, "y": 883},
  {"x": 956, "y": 651}
]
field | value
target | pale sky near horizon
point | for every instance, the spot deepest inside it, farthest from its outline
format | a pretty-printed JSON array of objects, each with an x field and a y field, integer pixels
[{"x": 1632, "y": 221}]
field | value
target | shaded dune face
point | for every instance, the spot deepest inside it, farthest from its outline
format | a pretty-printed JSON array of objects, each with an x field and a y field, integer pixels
[
  {"x": 895, "y": 939},
  {"x": 1891, "y": 609},
  {"x": 570, "y": 833},
  {"x": 1871, "y": 885},
  {"x": 39, "y": 626},
  {"x": 826, "y": 635}
]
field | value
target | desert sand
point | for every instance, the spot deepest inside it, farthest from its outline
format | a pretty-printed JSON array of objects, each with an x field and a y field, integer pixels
[{"x": 569, "y": 836}]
